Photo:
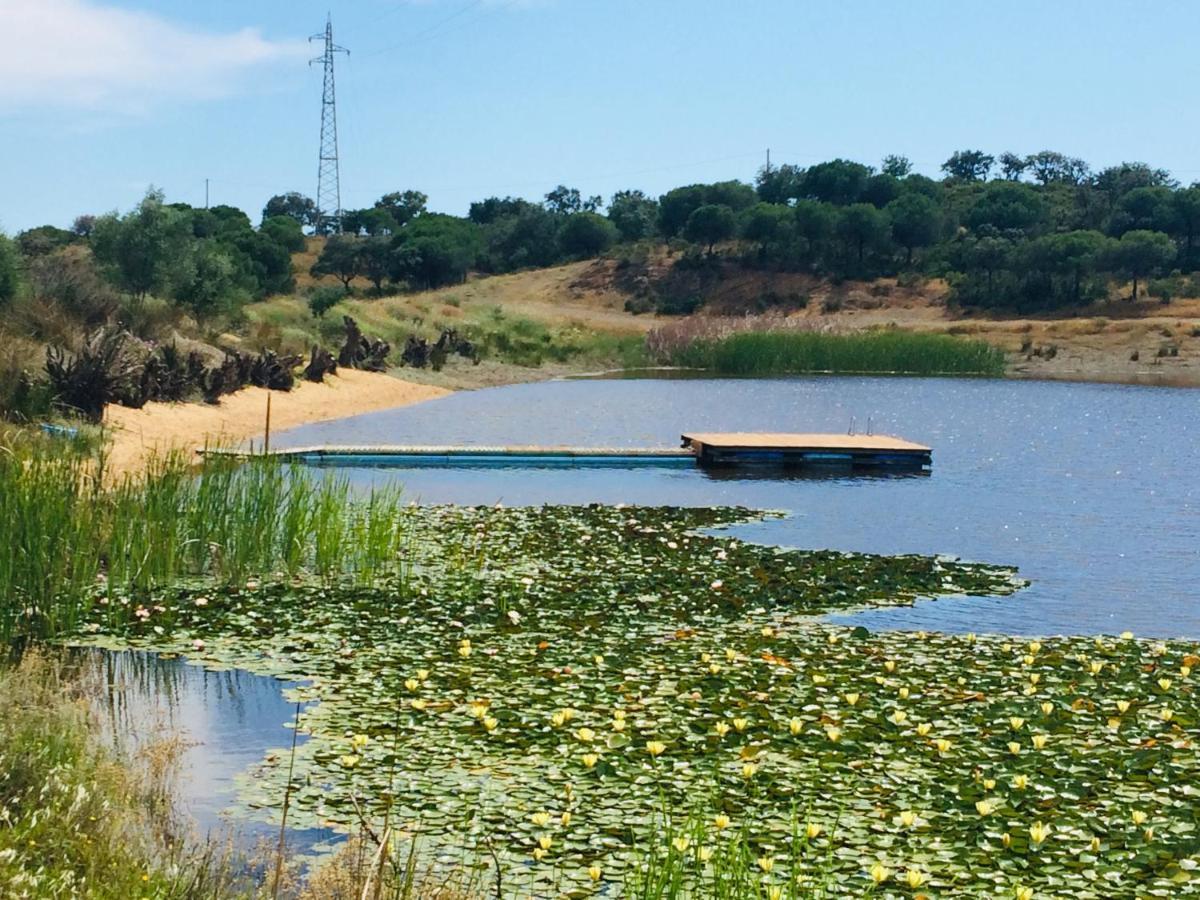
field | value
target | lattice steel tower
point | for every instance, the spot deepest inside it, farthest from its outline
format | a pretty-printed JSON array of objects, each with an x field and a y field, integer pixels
[{"x": 329, "y": 189}]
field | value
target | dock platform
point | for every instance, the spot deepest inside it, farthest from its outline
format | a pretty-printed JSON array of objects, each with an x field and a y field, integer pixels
[
  {"x": 853, "y": 450},
  {"x": 874, "y": 452}
]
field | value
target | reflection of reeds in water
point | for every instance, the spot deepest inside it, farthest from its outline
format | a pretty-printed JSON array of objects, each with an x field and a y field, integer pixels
[{"x": 68, "y": 541}]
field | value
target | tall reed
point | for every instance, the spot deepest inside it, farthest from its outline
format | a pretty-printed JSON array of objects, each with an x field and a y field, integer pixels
[{"x": 67, "y": 541}]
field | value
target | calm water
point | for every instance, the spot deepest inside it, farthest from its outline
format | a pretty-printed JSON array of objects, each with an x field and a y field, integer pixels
[{"x": 1092, "y": 490}]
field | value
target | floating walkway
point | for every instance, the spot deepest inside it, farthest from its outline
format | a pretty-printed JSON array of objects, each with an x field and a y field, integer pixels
[{"x": 715, "y": 450}]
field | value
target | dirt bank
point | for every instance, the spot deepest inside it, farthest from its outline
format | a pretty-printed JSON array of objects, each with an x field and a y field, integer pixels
[{"x": 159, "y": 427}]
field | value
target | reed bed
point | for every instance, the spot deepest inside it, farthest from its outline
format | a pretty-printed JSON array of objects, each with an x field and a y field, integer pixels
[
  {"x": 70, "y": 543},
  {"x": 776, "y": 346}
]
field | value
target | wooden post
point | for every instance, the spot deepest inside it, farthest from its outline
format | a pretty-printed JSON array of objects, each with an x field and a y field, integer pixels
[{"x": 267, "y": 436}]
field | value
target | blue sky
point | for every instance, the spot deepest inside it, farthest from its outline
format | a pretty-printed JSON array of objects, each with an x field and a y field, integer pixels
[{"x": 467, "y": 98}]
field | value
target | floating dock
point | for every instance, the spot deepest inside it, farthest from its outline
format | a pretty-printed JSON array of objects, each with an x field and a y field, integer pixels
[{"x": 873, "y": 452}]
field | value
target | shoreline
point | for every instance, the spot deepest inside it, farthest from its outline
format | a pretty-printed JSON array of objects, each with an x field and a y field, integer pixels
[{"x": 137, "y": 435}]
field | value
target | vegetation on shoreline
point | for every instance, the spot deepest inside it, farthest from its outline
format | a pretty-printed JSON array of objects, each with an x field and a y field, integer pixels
[{"x": 771, "y": 347}]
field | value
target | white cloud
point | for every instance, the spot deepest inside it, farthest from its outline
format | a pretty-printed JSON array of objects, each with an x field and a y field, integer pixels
[{"x": 83, "y": 55}]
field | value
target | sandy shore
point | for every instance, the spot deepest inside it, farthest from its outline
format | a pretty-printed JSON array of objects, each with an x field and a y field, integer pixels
[{"x": 136, "y": 434}]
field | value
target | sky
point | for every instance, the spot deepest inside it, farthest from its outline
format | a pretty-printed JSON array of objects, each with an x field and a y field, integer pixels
[{"x": 465, "y": 99}]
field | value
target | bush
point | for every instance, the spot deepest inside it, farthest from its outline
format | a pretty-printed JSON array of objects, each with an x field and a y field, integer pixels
[{"x": 325, "y": 298}]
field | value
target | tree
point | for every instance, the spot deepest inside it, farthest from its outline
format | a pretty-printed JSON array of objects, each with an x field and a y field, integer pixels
[
  {"x": 1145, "y": 209},
  {"x": 401, "y": 207},
  {"x": 9, "y": 271},
  {"x": 1073, "y": 255},
  {"x": 676, "y": 205},
  {"x": 1048, "y": 167},
  {"x": 1007, "y": 206},
  {"x": 633, "y": 214},
  {"x": 1141, "y": 254},
  {"x": 838, "y": 181},
  {"x": 1012, "y": 166},
  {"x": 881, "y": 190},
  {"x": 375, "y": 260},
  {"x": 916, "y": 221},
  {"x": 1117, "y": 181},
  {"x": 295, "y": 206},
  {"x": 734, "y": 194},
  {"x": 203, "y": 280},
  {"x": 340, "y": 257},
  {"x": 43, "y": 239},
  {"x": 564, "y": 201},
  {"x": 1187, "y": 218},
  {"x": 485, "y": 212},
  {"x": 709, "y": 224},
  {"x": 768, "y": 224},
  {"x": 896, "y": 166},
  {"x": 779, "y": 184},
  {"x": 140, "y": 247},
  {"x": 586, "y": 234},
  {"x": 284, "y": 231},
  {"x": 435, "y": 250},
  {"x": 814, "y": 224},
  {"x": 862, "y": 227},
  {"x": 373, "y": 221},
  {"x": 83, "y": 225},
  {"x": 529, "y": 238},
  {"x": 968, "y": 165}
]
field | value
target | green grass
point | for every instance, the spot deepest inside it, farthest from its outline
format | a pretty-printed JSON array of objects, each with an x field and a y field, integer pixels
[
  {"x": 70, "y": 544},
  {"x": 871, "y": 352}
]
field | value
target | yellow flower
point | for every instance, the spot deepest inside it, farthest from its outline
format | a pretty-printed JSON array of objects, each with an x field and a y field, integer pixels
[
  {"x": 490, "y": 723},
  {"x": 680, "y": 843},
  {"x": 423, "y": 674},
  {"x": 818, "y": 678},
  {"x": 418, "y": 704},
  {"x": 908, "y": 818},
  {"x": 540, "y": 819},
  {"x": 748, "y": 770},
  {"x": 586, "y": 735},
  {"x": 1020, "y": 782},
  {"x": 478, "y": 709},
  {"x": 1185, "y": 671},
  {"x": 989, "y": 784},
  {"x": 1094, "y": 845},
  {"x": 1016, "y": 722},
  {"x": 565, "y": 818},
  {"x": 1126, "y": 635},
  {"x": 1023, "y": 893},
  {"x": 766, "y": 863},
  {"x": 903, "y": 693},
  {"x": 923, "y": 729},
  {"x": 833, "y": 733},
  {"x": 768, "y": 631},
  {"x": 879, "y": 873},
  {"x": 852, "y": 699},
  {"x": 740, "y": 724},
  {"x": 412, "y": 684},
  {"x": 704, "y": 853},
  {"x": 914, "y": 878},
  {"x": 545, "y": 842},
  {"x": 984, "y": 807},
  {"x": 618, "y": 725},
  {"x": 558, "y": 719},
  {"x": 730, "y": 654},
  {"x": 360, "y": 741},
  {"x": 539, "y": 854},
  {"x": 721, "y": 822},
  {"x": 464, "y": 649},
  {"x": 1038, "y": 832},
  {"x": 594, "y": 872},
  {"x": 598, "y": 660},
  {"x": 942, "y": 745},
  {"x": 1148, "y": 834},
  {"x": 1027, "y": 660},
  {"x": 1006, "y": 839},
  {"x": 899, "y": 716},
  {"x": 795, "y": 726},
  {"x": 590, "y": 759},
  {"x": 1039, "y": 741},
  {"x": 1035, "y": 647},
  {"x": 811, "y": 830},
  {"x": 1047, "y": 708},
  {"x": 655, "y": 748},
  {"x": 1138, "y": 817},
  {"x": 1166, "y": 715},
  {"x": 1014, "y": 748},
  {"x": 714, "y": 668},
  {"x": 774, "y": 892},
  {"x": 721, "y": 729},
  {"x": 970, "y": 637},
  {"x": 349, "y": 761},
  {"x": 1114, "y": 724},
  {"x": 1096, "y": 667},
  {"x": 1164, "y": 683},
  {"x": 1122, "y": 706},
  {"x": 1034, "y": 677},
  {"x": 890, "y": 665}
]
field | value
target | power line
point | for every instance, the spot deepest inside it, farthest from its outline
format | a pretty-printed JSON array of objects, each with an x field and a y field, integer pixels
[
  {"x": 426, "y": 32},
  {"x": 329, "y": 188}
]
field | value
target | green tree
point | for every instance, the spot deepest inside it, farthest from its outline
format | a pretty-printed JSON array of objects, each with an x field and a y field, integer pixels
[
  {"x": 9, "y": 271},
  {"x": 916, "y": 221},
  {"x": 284, "y": 231},
  {"x": 968, "y": 165},
  {"x": 709, "y": 224},
  {"x": 779, "y": 184},
  {"x": 401, "y": 207},
  {"x": 838, "y": 181},
  {"x": 896, "y": 166},
  {"x": 1008, "y": 206},
  {"x": 676, "y": 205},
  {"x": 862, "y": 228},
  {"x": 564, "y": 201},
  {"x": 203, "y": 280},
  {"x": 527, "y": 238},
  {"x": 586, "y": 234},
  {"x": 1187, "y": 219},
  {"x": 341, "y": 258},
  {"x": 435, "y": 250},
  {"x": 485, "y": 212},
  {"x": 768, "y": 225},
  {"x": 1012, "y": 166},
  {"x": 1117, "y": 181},
  {"x": 1141, "y": 254},
  {"x": 814, "y": 225},
  {"x": 140, "y": 247},
  {"x": 633, "y": 214},
  {"x": 881, "y": 190},
  {"x": 1049, "y": 166},
  {"x": 375, "y": 260},
  {"x": 294, "y": 205},
  {"x": 1145, "y": 209},
  {"x": 43, "y": 239},
  {"x": 1073, "y": 256}
]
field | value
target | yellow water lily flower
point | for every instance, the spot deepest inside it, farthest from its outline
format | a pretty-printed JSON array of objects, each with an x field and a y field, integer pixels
[
  {"x": 730, "y": 654},
  {"x": 1027, "y": 660},
  {"x": 618, "y": 714},
  {"x": 1164, "y": 683},
  {"x": 1094, "y": 844},
  {"x": 1038, "y": 832},
  {"x": 478, "y": 709},
  {"x": 889, "y": 665},
  {"x": 585, "y": 734},
  {"x": 1185, "y": 671},
  {"x": 618, "y": 725},
  {"x": 970, "y": 637},
  {"x": 1023, "y": 893},
  {"x": 594, "y": 872},
  {"x": 539, "y": 854},
  {"x": 1035, "y": 647},
  {"x": 565, "y": 818},
  {"x": 1006, "y": 839},
  {"x": 1166, "y": 714},
  {"x": 680, "y": 843},
  {"x": 795, "y": 726},
  {"x": 590, "y": 759},
  {"x": 721, "y": 729},
  {"x": 464, "y": 648},
  {"x": 989, "y": 784},
  {"x": 818, "y": 678},
  {"x": 558, "y": 719},
  {"x": 1016, "y": 722},
  {"x": 985, "y": 807},
  {"x": 1020, "y": 782},
  {"x": 1126, "y": 635},
  {"x": 1114, "y": 724},
  {"x": 768, "y": 631},
  {"x": 774, "y": 892},
  {"x": 349, "y": 761},
  {"x": 540, "y": 819},
  {"x": 879, "y": 873},
  {"x": 1047, "y": 708},
  {"x": 899, "y": 717},
  {"x": 359, "y": 741},
  {"x": 914, "y": 878},
  {"x": 766, "y": 863},
  {"x": 545, "y": 842},
  {"x": 598, "y": 659},
  {"x": 908, "y": 818},
  {"x": 748, "y": 770},
  {"x": 923, "y": 728},
  {"x": 418, "y": 704},
  {"x": 714, "y": 668},
  {"x": 903, "y": 692},
  {"x": 412, "y": 684},
  {"x": 1096, "y": 667},
  {"x": 704, "y": 854},
  {"x": 942, "y": 745},
  {"x": 833, "y": 733},
  {"x": 740, "y": 724},
  {"x": 852, "y": 699},
  {"x": 1123, "y": 706},
  {"x": 1039, "y": 741},
  {"x": 812, "y": 829},
  {"x": 1034, "y": 677},
  {"x": 423, "y": 674},
  {"x": 1014, "y": 748},
  {"x": 721, "y": 822},
  {"x": 655, "y": 748},
  {"x": 1138, "y": 817}
]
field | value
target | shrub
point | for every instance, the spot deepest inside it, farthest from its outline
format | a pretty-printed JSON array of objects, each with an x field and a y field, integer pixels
[{"x": 325, "y": 298}]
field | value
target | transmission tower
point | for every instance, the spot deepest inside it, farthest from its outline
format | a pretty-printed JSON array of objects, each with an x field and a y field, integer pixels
[{"x": 329, "y": 189}]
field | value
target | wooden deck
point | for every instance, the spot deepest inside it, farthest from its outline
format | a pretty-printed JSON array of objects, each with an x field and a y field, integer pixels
[{"x": 875, "y": 450}]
